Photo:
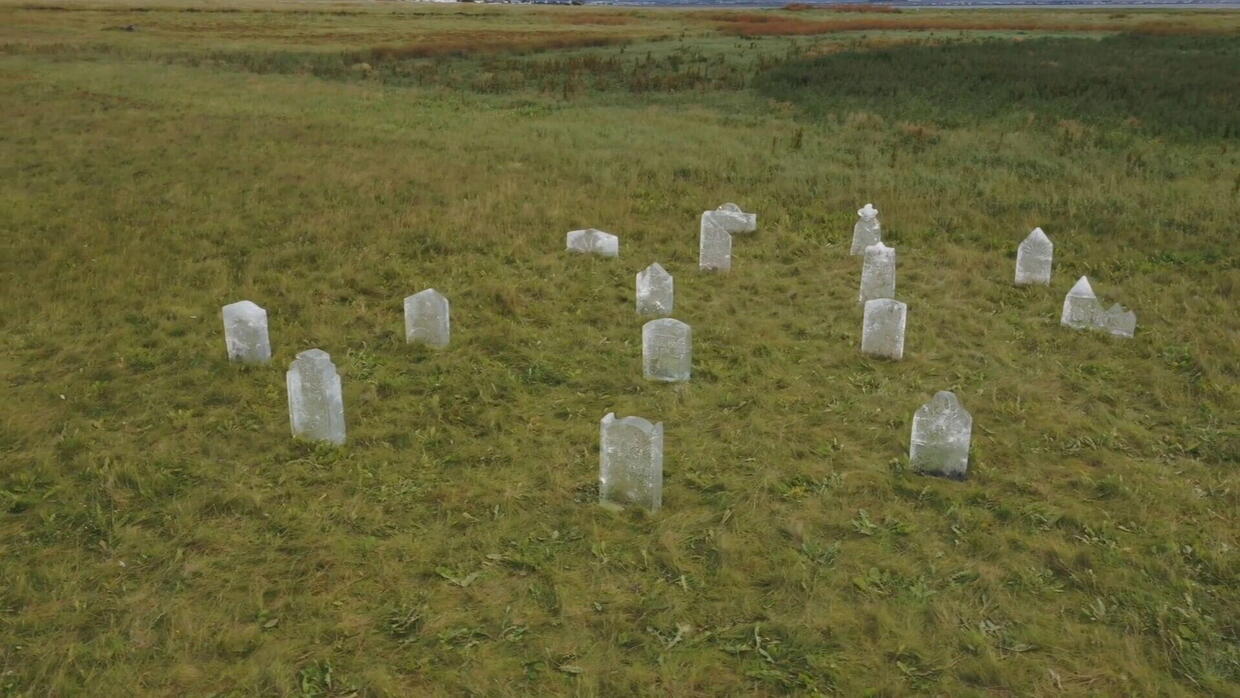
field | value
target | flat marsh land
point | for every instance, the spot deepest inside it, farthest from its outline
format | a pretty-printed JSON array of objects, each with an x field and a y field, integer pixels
[{"x": 162, "y": 534}]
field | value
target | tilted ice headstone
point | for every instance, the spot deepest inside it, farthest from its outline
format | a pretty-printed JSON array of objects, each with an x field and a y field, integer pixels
[
  {"x": 630, "y": 463},
  {"x": 867, "y": 231},
  {"x": 1033, "y": 259},
  {"x": 882, "y": 328},
  {"x": 714, "y": 244},
  {"x": 1119, "y": 321},
  {"x": 1080, "y": 307},
  {"x": 942, "y": 429},
  {"x": 245, "y": 333},
  {"x": 667, "y": 350},
  {"x": 427, "y": 318},
  {"x": 591, "y": 241},
  {"x": 315, "y": 401},
  {"x": 655, "y": 291},
  {"x": 878, "y": 273},
  {"x": 734, "y": 220}
]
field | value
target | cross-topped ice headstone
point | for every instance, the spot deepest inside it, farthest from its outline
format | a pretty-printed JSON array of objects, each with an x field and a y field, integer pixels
[
  {"x": 667, "y": 350},
  {"x": 655, "y": 291},
  {"x": 591, "y": 241},
  {"x": 867, "y": 231},
  {"x": 630, "y": 463},
  {"x": 714, "y": 244},
  {"x": 315, "y": 401},
  {"x": 427, "y": 318},
  {"x": 245, "y": 333},
  {"x": 882, "y": 328},
  {"x": 878, "y": 273},
  {"x": 942, "y": 429},
  {"x": 1033, "y": 259},
  {"x": 734, "y": 220}
]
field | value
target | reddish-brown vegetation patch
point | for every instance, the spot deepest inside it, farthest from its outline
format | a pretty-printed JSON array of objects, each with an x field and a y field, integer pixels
[
  {"x": 599, "y": 18},
  {"x": 472, "y": 43},
  {"x": 749, "y": 24},
  {"x": 857, "y": 7}
]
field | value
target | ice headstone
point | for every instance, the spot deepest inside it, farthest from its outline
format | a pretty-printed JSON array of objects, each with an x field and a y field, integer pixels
[
  {"x": 591, "y": 241},
  {"x": 427, "y": 318},
  {"x": 1033, "y": 259},
  {"x": 1083, "y": 311},
  {"x": 667, "y": 350},
  {"x": 867, "y": 231},
  {"x": 942, "y": 429},
  {"x": 878, "y": 273},
  {"x": 315, "y": 401},
  {"x": 655, "y": 291},
  {"x": 714, "y": 244},
  {"x": 245, "y": 333},
  {"x": 734, "y": 220},
  {"x": 882, "y": 328},
  {"x": 1119, "y": 321},
  {"x": 630, "y": 463}
]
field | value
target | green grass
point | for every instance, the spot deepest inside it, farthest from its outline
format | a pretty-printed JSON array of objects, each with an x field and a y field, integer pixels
[{"x": 162, "y": 534}]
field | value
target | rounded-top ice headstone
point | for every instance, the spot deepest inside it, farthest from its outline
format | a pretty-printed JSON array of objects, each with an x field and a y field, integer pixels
[
  {"x": 667, "y": 351},
  {"x": 867, "y": 231},
  {"x": 942, "y": 430},
  {"x": 734, "y": 220},
  {"x": 592, "y": 241},
  {"x": 427, "y": 319},
  {"x": 1080, "y": 306},
  {"x": 655, "y": 291},
  {"x": 315, "y": 400},
  {"x": 245, "y": 332},
  {"x": 630, "y": 463},
  {"x": 1033, "y": 259},
  {"x": 878, "y": 273}
]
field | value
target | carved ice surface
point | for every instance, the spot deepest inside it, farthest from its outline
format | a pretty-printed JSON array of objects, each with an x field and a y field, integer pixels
[
  {"x": 1119, "y": 321},
  {"x": 1033, "y": 259},
  {"x": 655, "y": 291},
  {"x": 245, "y": 333},
  {"x": 942, "y": 429},
  {"x": 630, "y": 463},
  {"x": 714, "y": 244},
  {"x": 734, "y": 220},
  {"x": 867, "y": 231},
  {"x": 315, "y": 401},
  {"x": 882, "y": 329},
  {"x": 1083, "y": 311},
  {"x": 591, "y": 241},
  {"x": 427, "y": 318},
  {"x": 878, "y": 273},
  {"x": 667, "y": 350}
]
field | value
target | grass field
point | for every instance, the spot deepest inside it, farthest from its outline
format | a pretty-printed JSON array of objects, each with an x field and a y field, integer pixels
[{"x": 162, "y": 534}]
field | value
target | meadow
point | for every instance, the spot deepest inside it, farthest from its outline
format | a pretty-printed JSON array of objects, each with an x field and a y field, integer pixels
[{"x": 162, "y": 534}]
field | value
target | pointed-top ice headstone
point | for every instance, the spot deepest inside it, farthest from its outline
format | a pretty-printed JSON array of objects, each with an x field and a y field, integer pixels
[
  {"x": 245, "y": 333},
  {"x": 427, "y": 319},
  {"x": 655, "y": 291},
  {"x": 1080, "y": 306},
  {"x": 942, "y": 429},
  {"x": 882, "y": 328},
  {"x": 667, "y": 350},
  {"x": 630, "y": 463},
  {"x": 867, "y": 231},
  {"x": 592, "y": 241},
  {"x": 315, "y": 400},
  {"x": 1033, "y": 259},
  {"x": 878, "y": 273},
  {"x": 714, "y": 244},
  {"x": 734, "y": 220}
]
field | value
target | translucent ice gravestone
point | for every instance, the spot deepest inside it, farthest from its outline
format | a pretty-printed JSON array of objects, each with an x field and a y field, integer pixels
[
  {"x": 245, "y": 333},
  {"x": 315, "y": 401},
  {"x": 655, "y": 291},
  {"x": 667, "y": 350},
  {"x": 1033, "y": 259},
  {"x": 882, "y": 329},
  {"x": 630, "y": 463},
  {"x": 591, "y": 241},
  {"x": 878, "y": 273},
  {"x": 714, "y": 244},
  {"x": 942, "y": 429},
  {"x": 867, "y": 231},
  {"x": 734, "y": 220},
  {"x": 427, "y": 318},
  {"x": 1083, "y": 311}
]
